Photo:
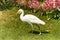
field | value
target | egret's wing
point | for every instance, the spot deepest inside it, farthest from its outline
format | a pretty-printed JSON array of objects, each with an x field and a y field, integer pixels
[{"x": 33, "y": 19}]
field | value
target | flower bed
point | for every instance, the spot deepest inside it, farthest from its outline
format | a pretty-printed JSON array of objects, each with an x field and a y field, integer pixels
[{"x": 46, "y": 7}]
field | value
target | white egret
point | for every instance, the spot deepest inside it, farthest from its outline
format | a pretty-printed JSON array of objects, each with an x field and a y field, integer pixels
[{"x": 30, "y": 19}]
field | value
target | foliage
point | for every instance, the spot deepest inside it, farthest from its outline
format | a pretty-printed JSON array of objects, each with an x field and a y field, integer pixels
[
  {"x": 45, "y": 7},
  {"x": 6, "y": 4}
]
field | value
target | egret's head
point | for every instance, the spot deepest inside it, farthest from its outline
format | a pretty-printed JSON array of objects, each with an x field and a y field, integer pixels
[{"x": 20, "y": 11}]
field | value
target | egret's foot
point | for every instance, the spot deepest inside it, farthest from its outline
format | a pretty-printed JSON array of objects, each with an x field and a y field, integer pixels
[{"x": 40, "y": 33}]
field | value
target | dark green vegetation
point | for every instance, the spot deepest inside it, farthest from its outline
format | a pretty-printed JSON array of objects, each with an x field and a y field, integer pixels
[{"x": 11, "y": 27}]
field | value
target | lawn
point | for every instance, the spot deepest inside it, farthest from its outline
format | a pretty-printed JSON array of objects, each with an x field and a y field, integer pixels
[{"x": 12, "y": 28}]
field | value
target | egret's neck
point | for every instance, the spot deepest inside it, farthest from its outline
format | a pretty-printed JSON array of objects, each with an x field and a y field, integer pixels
[{"x": 22, "y": 14}]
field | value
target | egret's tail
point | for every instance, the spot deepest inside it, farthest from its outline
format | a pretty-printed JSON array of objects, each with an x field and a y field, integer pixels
[{"x": 42, "y": 22}]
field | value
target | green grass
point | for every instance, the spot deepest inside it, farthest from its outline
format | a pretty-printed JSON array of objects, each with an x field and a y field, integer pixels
[{"x": 12, "y": 28}]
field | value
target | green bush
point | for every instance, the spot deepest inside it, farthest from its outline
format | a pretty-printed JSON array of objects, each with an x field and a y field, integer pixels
[{"x": 6, "y": 5}]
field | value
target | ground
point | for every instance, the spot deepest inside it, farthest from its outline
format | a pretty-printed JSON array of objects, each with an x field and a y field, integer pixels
[{"x": 12, "y": 28}]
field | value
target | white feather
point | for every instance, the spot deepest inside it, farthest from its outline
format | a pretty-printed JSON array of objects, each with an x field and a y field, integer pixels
[{"x": 33, "y": 19}]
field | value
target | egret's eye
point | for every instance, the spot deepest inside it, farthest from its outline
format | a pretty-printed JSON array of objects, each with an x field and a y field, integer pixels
[{"x": 20, "y": 12}]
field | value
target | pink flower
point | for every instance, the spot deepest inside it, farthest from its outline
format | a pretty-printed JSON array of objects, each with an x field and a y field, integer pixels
[
  {"x": 45, "y": 6},
  {"x": 35, "y": 3},
  {"x": 58, "y": 2},
  {"x": 50, "y": 4},
  {"x": 22, "y": 2},
  {"x": 49, "y": 0},
  {"x": 29, "y": 4}
]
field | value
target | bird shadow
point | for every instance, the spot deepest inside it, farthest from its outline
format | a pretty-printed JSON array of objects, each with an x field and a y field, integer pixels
[{"x": 37, "y": 32}]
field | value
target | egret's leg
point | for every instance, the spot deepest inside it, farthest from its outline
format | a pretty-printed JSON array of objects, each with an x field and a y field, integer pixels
[
  {"x": 32, "y": 27},
  {"x": 39, "y": 29}
]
